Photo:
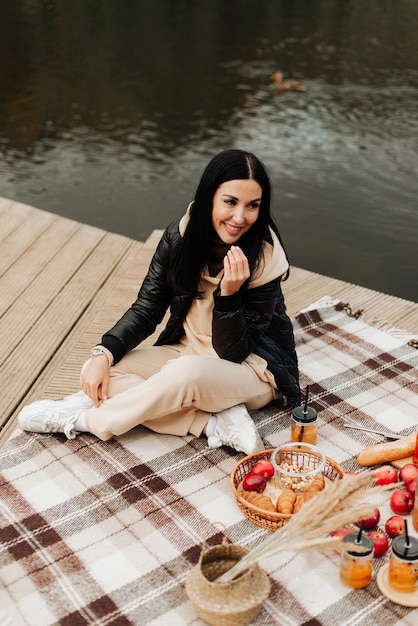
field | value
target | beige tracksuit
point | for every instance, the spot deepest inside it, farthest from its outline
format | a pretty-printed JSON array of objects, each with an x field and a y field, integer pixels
[{"x": 174, "y": 389}]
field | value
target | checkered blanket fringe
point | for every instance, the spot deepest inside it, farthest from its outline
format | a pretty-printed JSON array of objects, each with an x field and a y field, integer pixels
[{"x": 105, "y": 533}]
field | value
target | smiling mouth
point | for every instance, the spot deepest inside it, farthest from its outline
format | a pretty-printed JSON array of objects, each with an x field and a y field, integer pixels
[{"x": 232, "y": 230}]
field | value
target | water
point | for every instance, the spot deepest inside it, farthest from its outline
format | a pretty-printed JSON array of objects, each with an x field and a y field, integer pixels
[{"x": 110, "y": 111}]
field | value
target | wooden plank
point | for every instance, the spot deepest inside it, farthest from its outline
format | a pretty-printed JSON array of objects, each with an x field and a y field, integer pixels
[
  {"x": 304, "y": 287},
  {"x": 32, "y": 284},
  {"x": 38, "y": 256},
  {"x": 12, "y": 214},
  {"x": 65, "y": 283},
  {"x": 61, "y": 374},
  {"x": 29, "y": 358},
  {"x": 22, "y": 236}
]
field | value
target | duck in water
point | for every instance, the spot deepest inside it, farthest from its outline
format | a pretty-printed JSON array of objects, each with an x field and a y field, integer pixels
[{"x": 286, "y": 85}]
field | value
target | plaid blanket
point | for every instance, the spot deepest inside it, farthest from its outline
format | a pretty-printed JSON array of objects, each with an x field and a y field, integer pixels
[{"x": 105, "y": 533}]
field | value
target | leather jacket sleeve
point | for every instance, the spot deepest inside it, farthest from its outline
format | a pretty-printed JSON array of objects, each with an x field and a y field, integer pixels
[
  {"x": 239, "y": 321},
  {"x": 152, "y": 302}
]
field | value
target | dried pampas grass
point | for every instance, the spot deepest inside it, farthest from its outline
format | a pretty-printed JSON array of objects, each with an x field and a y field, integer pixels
[{"x": 335, "y": 506}]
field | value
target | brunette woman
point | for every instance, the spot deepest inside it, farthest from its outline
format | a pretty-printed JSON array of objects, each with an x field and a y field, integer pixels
[{"x": 228, "y": 346}]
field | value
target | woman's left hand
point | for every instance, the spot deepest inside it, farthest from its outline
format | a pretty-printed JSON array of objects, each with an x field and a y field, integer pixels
[{"x": 236, "y": 271}]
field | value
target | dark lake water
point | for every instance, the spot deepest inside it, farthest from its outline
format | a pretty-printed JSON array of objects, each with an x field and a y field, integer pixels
[{"x": 110, "y": 110}]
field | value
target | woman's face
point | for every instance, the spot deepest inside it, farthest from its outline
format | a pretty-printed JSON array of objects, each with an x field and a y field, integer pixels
[{"x": 235, "y": 208}]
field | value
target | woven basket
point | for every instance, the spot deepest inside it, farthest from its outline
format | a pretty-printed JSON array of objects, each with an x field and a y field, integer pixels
[
  {"x": 235, "y": 603},
  {"x": 261, "y": 517}
]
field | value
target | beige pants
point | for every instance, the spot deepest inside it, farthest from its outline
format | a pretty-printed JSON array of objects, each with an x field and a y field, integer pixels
[{"x": 174, "y": 393}]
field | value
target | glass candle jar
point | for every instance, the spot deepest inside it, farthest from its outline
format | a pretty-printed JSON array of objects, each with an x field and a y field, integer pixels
[
  {"x": 356, "y": 567},
  {"x": 403, "y": 564},
  {"x": 303, "y": 426},
  {"x": 297, "y": 465}
]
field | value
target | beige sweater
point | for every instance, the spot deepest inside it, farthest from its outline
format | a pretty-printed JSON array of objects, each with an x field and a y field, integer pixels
[{"x": 198, "y": 323}]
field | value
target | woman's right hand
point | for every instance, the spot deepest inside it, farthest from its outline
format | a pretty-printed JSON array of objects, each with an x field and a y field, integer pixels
[
  {"x": 236, "y": 271},
  {"x": 94, "y": 378}
]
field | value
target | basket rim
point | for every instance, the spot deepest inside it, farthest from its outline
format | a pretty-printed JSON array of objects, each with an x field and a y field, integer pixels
[{"x": 269, "y": 515}]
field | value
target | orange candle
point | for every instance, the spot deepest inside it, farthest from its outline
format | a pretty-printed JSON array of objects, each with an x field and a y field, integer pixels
[
  {"x": 303, "y": 426},
  {"x": 306, "y": 433},
  {"x": 403, "y": 563},
  {"x": 356, "y": 568}
]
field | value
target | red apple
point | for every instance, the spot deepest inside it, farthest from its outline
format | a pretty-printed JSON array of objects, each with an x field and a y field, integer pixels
[
  {"x": 411, "y": 486},
  {"x": 395, "y": 526},
  {"x": 385, "y": 475},
  {"x": 408, "y": 472},
  {"x": 264, "y": 468},
  {"x": 370, "y": 522},
  {"x": 380, "y": 542},
  {"x": 254, "y": 482},
  {"x": 401, "y": 502},
  {"x": 340, "y": 533}
]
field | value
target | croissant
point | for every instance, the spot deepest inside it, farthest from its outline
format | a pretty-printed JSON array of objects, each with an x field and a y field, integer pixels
[
  {"x": 317, "y": 484},
  {"x": 286, "y": 501},
  {"x": 298, "y": 504},
  {"x": 301, "y": 500},
  {"x": 263, "y": 502}
]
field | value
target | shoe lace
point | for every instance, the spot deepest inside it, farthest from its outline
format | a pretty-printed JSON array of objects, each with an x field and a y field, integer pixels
[
  {"x": 59, "y": 423},
  {"x": 69, "y": 431},
  {"x": 231, "y": 436}
]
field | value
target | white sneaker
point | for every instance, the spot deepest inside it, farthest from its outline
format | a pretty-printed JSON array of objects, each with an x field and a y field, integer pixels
[
  {"x": 235, "y": 428},
  {"x": 54, "y": 416}
]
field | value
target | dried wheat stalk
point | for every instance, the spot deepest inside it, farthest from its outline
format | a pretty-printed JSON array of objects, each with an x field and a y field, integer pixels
[{"x": 335, "y": 506}]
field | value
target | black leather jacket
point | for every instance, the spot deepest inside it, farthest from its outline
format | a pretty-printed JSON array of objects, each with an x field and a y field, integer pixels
[{"x": 250, "y": 321}]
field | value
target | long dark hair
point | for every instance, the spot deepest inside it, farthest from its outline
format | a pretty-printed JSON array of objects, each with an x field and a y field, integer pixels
[{"x": 194, "y": 251}]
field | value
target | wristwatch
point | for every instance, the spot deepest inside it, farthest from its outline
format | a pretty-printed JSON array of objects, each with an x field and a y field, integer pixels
[{"x": 97, "y": 350}]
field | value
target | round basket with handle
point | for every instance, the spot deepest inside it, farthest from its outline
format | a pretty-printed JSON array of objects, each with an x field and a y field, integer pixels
[
  {"x": 261, "y": 517},
  {"x": 235, "y": 603}
]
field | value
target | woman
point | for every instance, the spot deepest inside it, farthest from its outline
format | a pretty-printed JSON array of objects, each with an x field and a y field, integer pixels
[{"x": 228, "y": 345}]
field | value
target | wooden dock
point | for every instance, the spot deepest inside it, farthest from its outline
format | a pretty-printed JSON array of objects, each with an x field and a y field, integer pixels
[{"x": 62, "y": 284}]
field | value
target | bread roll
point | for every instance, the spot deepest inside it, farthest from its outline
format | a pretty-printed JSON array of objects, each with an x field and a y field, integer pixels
[
  {"x": 263, "y": 502},
  {"x": 317, "y": 484},
  {"x": 285, "y": 501},
  {"x": 386, "y": 452},
  {"x": 301, "y": 500}
]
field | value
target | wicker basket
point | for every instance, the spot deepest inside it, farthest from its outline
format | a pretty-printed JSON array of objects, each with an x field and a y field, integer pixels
[
  {"x": 236, "y": 603},
  {"x": 261, "y": 517}
]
